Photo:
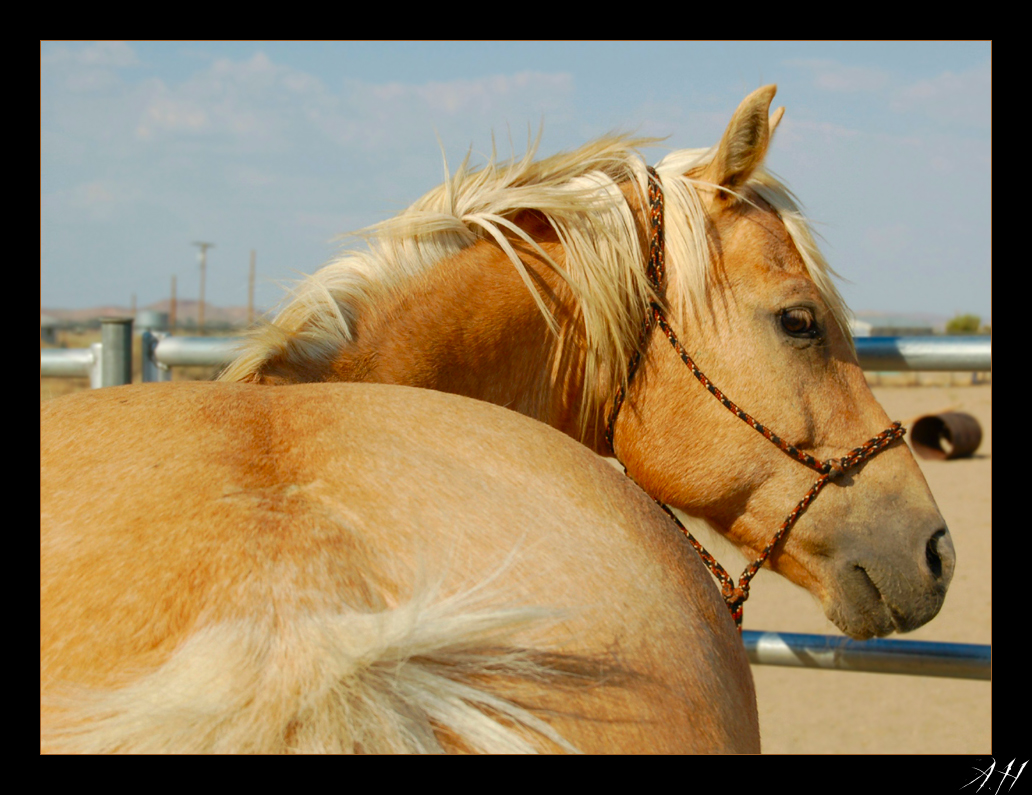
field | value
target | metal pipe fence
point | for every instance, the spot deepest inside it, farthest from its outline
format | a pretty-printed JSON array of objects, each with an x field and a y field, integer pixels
[
  {"x": 108, "y": 364},
  {"x": 161, "y": 351},
  {"x": 913, "y": 657},
  {"x": 956, "y": 353}
]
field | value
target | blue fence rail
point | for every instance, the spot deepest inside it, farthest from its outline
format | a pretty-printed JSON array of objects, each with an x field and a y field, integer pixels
[
  {"x": 917, "y": 658},
  {"x": 160, "y": 352}
]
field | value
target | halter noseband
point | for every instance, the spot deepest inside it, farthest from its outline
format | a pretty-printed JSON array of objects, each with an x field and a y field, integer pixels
[{"x": 828, "y": 469}]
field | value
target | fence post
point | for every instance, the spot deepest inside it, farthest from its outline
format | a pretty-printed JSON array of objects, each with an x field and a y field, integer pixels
[
  {"x": 151, "y": 369},
  {"x": 95, "y": 370},
  {"x": 116, "y": 362}
]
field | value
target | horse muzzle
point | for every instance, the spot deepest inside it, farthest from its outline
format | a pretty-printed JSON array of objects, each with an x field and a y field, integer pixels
[{"x": 877, "y": 594}]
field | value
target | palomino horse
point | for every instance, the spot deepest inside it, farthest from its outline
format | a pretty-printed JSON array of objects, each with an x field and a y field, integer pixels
[{"x": 302, "y": 575}]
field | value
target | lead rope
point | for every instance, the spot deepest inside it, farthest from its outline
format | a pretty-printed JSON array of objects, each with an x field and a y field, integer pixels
[{"x": 734, "y": 596}]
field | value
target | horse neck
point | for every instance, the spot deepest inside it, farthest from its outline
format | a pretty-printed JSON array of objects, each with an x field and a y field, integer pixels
[{"x": 470, "y": 326}]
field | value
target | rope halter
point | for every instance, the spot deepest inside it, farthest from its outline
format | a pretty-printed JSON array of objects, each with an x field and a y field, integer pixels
[{"x": 828, "y": 469}]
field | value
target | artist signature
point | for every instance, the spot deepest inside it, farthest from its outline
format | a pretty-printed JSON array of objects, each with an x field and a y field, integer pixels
[{"x": 984, "y": 776}]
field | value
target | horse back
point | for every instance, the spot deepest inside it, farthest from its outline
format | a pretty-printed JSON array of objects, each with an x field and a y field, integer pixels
[{"x": 363, "y": 567}]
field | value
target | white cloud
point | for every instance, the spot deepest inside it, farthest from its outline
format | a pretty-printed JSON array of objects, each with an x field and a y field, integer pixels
[
  {"x": 88, "y": 69},
  {"x": 951, "y": 97},
  {"x": 831, "y": 75},
  {"x": 519, "y": 97},
  {"x": 824, "y": 129},
  {"x": 165, "y": 112},
  {"x": 111, "y": 54},
  {"x": 252, "y": 102},
  {"x": 259, "y": 105},
  {"x": 95, "y": 201},
  {"x": 484, "y": 94}
]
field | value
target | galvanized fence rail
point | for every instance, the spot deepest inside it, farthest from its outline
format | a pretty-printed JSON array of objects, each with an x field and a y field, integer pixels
[
  {"x": 914, "y": 657},
  {"x": 108, "y": 363},
  {"x": 161, "y": 351}
]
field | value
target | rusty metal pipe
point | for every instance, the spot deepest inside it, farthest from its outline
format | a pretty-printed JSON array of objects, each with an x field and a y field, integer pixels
[{"x": 951, "y": 434}]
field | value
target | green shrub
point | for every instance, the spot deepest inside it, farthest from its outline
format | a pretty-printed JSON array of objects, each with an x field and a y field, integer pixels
[{"x": 964, "y": 324}]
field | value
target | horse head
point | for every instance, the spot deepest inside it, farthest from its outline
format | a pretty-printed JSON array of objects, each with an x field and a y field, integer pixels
[{"x": 766, "y": 326}]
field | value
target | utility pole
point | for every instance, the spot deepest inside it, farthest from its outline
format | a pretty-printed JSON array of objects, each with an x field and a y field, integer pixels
[
  {"x": 172, "y": 307},
  {"x": 250, "y": 292},
  {"x": 204, "y": 264}
]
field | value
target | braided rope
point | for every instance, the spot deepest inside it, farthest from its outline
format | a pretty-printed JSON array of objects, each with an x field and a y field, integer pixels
[
  {"x": 829, "y": 469},
  {"x": 655, "y": 270}
]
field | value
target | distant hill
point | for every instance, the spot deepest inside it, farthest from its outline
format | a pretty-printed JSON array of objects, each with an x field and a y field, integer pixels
[{"x": 186, "y": 313}]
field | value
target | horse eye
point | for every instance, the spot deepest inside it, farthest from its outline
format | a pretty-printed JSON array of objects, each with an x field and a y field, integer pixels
[{"x": 799, "y": 322}]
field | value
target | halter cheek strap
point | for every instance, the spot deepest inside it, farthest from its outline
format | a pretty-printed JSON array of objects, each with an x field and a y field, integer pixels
[{"x": 828, "y": 469}]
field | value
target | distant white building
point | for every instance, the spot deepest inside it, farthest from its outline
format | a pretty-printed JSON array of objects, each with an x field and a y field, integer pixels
[
  {"x": 859, "y": 328},
  {"x": 900, "y": 326},
  {"x": 879, "y": 325}
]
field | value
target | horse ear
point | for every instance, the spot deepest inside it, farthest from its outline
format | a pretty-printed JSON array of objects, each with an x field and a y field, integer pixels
[
  {"x": 775, "y": 118},
  {"x": 745, "y": 140}
]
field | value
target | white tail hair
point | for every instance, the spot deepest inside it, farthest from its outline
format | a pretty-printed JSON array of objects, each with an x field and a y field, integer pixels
[{"x": 411, "y": 679}]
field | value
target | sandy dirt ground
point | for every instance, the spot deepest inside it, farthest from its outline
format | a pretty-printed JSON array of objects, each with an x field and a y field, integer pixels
[{"x": 811, "y": 711}]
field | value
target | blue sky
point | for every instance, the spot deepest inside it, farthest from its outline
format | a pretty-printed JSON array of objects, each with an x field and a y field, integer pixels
[{"x": 280, "y": 147}]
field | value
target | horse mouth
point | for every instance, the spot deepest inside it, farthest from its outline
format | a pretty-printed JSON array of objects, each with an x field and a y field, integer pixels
[
  {"x": 896, "y": 619},
  {"x": 863, "y": 611}
]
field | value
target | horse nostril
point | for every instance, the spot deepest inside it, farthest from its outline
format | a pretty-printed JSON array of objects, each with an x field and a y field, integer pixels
[{"x": 932, "y": 553}]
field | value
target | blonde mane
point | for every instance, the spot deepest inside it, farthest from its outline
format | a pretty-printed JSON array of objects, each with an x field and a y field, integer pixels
[{"x": 579, "y": 194}]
